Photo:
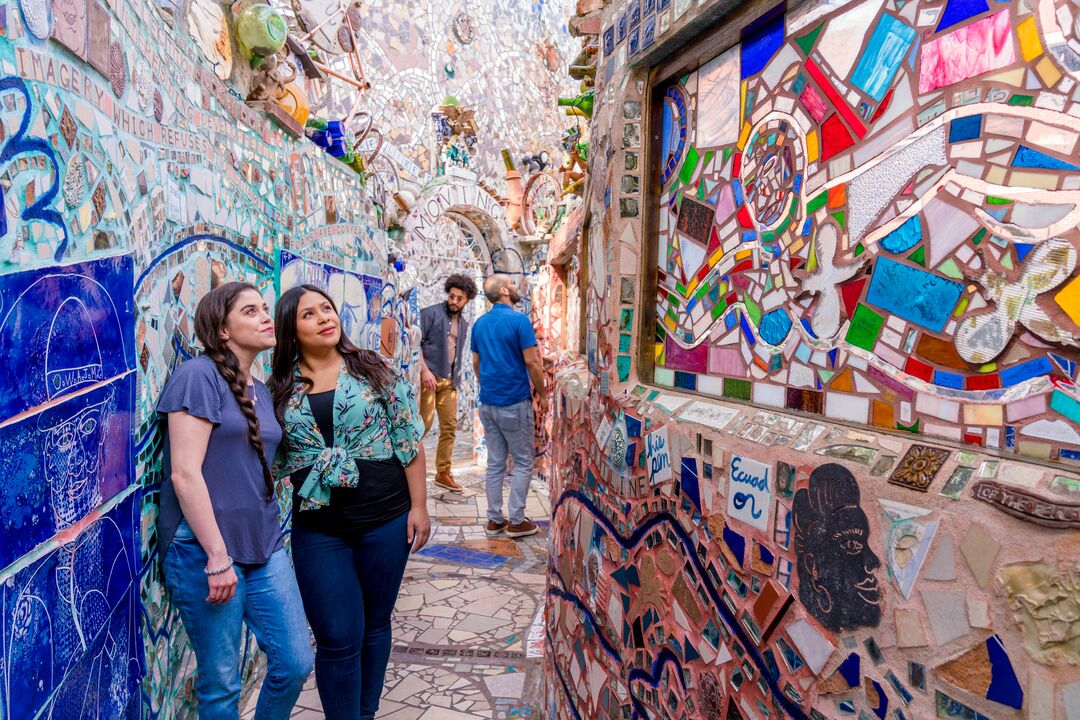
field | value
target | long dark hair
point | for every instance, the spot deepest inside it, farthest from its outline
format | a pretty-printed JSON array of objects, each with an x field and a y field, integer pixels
[
  {"x": 363, "y": 365},
  {"x": 210, "y": 316}
]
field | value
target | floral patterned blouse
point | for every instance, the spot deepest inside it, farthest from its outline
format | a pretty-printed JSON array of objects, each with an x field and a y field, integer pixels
[{"x": 366, "y": 427}]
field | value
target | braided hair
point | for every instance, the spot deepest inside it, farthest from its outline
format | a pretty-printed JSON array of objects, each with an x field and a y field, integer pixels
[{"x": 210, "y": 318}]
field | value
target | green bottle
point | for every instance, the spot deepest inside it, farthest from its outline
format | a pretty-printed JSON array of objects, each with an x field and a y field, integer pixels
[{"x": 581, "y": 105}]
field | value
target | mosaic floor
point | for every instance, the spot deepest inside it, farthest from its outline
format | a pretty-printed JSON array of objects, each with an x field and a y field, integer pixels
[{"x": 468, "y": 636}]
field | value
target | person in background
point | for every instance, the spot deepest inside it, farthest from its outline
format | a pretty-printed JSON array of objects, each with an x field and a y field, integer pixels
[
  {"x": 218, "y": 526},
  {"x": 352, "y": 450},
  {"x": 505, "y": 357},
  {"x": 442, "y": 355}
]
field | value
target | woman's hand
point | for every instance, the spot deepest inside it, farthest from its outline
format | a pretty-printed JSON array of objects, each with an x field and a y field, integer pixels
[
  {"x": 419, "y": 529},
  {"x": 222, "y": 587}
]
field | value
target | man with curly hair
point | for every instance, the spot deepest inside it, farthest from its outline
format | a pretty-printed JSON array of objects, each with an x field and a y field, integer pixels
[{"x": 442, "y": 354}]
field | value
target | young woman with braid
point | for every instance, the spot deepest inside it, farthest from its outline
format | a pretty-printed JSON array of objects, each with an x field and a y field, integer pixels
[
  {"x": 218, "y": 526},
  {"x": 352, "y": 448}
]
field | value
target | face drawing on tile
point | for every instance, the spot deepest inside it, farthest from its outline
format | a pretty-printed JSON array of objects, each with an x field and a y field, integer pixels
[{"x": 837, "y": 584}]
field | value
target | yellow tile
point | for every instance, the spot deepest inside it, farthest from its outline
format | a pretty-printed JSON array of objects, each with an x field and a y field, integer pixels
[
  {"x": 1029, "y": 39},
  {"x": 1069, "y": 299},
  {"x": 995, "y": 175},
  {"x": 1014, "y": 77},
  {"x": 1043, "y": 180},
  {"x": 983, "y": 415},
  {"x": 1048, "y": 71},
  {"x": 744, "y": 135},
  {"x": 811, "y": 146}
]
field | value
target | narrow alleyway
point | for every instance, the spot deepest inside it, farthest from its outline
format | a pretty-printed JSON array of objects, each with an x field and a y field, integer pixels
[{"x": 468, "y": 629}]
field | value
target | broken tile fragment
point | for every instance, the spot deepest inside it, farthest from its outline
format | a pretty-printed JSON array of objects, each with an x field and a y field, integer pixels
[
  {"x": 909, "y": 630},
  {"x": 979, "y": 549},
  {"x": 941, "y": 565},
  {"x": 946, "y": 610}
]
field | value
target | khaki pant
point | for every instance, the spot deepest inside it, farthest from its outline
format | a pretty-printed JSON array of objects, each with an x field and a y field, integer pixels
[{"x": 443, "y": 399}]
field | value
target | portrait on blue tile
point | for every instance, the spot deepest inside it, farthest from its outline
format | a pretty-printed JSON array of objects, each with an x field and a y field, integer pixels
[
  {"x": 64, "y": 329},
  {"x": 68, "y": 459}
]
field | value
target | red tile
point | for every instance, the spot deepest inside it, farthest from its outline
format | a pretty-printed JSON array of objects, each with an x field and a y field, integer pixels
[{"x": 919, "y": 369}]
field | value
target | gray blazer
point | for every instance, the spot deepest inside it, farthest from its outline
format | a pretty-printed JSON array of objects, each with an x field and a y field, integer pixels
[{"x": 435, "y": 325}]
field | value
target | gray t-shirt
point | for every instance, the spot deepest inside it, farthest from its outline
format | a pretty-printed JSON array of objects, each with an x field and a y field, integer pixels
[{"x": 249, "y": 522}]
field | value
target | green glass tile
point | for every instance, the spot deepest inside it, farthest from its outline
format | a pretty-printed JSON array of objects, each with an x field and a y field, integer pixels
[
  {"x": 700, "y": 293},
  {"x": 960, "y": 307},
  {"x": 623, "y": 364},
  {"x": 912, "y": 428},
  {"x": 689, "y": 166},
  {"x": 1007, "y": 262},
  {"x": 624, "y": 342},
  {"x": 701, "y": 191},
  {"x": 806, "y": 42},
  {"x": 991, "y": 200},
  {"x": 708, "y": 158},
  {"x": 979, "y": 236},
  {"x": 753, "y": 311},
  {"x": 817, "y": 203},
  {"x": 919, "y": 256},
  {"x": 782, "y": 227},
  {"x": 865, "y": 328},
  {"x": 859, "y": 250},
  {"x": 681, "y": 289},
  {"x": 727, "y": 152},
  {"x": 737, "y": 389},
  {"x": 768, "y": 236},
  {"x": 717, "y": 311},
  {"x": 949, "y": 269},
  {"x": 841, "y": 218},
  {"x": 1021, "y": 100}
]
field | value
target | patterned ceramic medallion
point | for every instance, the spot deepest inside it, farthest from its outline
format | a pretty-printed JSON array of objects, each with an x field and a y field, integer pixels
[
  {"x": 919, "y": 467},
  {"x": 117, "y": 70}
]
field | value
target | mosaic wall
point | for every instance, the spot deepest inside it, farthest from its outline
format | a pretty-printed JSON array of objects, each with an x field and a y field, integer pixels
[
  {"x": 133, "y": 181},
  {"x": 870, "y": 213},
  {"x": 417, "y": 53},
  {"x": 860, "y": 204}
]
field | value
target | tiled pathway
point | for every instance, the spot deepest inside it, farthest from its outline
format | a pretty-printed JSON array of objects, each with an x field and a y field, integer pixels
[{"x": 462, "y": 645}]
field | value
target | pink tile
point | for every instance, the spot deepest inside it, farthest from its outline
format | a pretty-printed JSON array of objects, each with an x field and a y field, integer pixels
[{"x": 972, "y": 50}]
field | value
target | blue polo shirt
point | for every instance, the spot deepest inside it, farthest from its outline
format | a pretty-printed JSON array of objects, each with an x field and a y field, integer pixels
[{"x": 500, "y": 337}]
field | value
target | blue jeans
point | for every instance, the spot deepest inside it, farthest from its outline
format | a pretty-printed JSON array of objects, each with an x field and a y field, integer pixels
[
  {"x": 268, "y": 600},
  {"x": 508, "y": 430},
  {"x": 350, "y": 584}
]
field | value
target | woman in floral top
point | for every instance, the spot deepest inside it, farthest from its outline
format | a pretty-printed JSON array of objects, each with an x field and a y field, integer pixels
[{"x": 352, "y": 449}]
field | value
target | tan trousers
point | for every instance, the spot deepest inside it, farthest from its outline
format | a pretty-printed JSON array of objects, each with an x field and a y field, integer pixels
[{"x": 443, "y": 399}]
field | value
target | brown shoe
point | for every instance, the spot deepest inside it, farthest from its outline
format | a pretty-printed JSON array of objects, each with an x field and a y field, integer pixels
[
  {"x": 522, "y": 529},
  {"x": 446, "y": 481},
  {"x": 494, "y": 528}
]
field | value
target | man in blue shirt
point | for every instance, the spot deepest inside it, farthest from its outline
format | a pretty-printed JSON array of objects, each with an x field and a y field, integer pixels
[{"x": 505, "y": 358}]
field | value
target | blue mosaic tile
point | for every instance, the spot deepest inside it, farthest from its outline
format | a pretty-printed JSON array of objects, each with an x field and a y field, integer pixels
[{"x": 464, "y": 556}]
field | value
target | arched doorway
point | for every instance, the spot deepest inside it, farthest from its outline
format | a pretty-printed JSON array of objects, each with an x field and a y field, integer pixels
[{"x": 456, "y": 227}]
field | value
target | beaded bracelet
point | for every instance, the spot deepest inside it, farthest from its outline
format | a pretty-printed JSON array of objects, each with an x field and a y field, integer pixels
[{"x": 218, "y": 571}]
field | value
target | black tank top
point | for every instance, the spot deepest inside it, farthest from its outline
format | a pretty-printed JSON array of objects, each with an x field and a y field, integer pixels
[{"x": 380, "y": 495}]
